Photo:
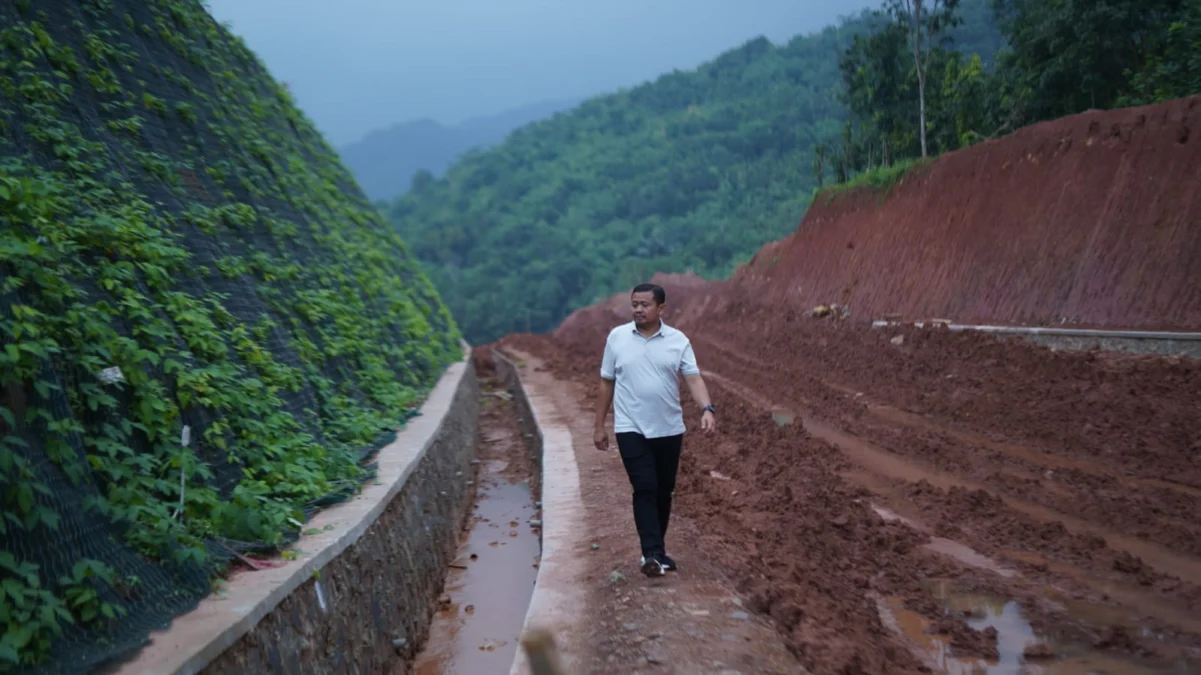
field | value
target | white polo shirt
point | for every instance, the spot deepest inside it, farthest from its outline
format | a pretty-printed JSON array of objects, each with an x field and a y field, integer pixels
[{"x": 646, "y": 391}]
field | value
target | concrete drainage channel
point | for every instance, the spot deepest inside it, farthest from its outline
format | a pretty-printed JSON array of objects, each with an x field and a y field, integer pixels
[
  {"x": 514, "y": 577},
  {"x": 481, "y": 612},
  {"x": 432, "y": 569}
]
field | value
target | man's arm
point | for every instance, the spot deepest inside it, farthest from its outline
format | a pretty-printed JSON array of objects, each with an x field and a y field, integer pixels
[
  {"x": 696, "y": 386},
  {"x": 604, "y": 397}
]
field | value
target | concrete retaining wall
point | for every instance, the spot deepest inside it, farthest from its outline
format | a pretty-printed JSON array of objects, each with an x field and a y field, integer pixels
[
  {"x": 1162, "y": 346},
  {"x": 1163, "y": 343},
  {"x": 359, "y": 595}
]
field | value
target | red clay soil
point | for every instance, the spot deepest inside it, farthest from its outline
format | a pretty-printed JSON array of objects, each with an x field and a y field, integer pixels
[
  {"x": 1076, "y": 472},
  {"x": 1090, "y": 219}
]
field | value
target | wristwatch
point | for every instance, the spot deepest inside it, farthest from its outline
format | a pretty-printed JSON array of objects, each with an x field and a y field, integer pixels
[{"x": 709, "y": 408}]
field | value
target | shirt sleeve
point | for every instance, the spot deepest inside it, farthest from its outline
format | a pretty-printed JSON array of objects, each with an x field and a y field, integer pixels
[
  {"x": 608, "y": 361},
  {"x": 688, "y": 361}
]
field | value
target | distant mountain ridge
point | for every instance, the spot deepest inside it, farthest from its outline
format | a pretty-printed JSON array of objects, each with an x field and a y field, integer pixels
[{"x": 385, "y": 161}]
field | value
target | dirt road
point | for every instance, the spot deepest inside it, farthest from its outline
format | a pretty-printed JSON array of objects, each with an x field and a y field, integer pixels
[
  {"x": 909, "y": 501},
  {"x": 689, "y": 623}
]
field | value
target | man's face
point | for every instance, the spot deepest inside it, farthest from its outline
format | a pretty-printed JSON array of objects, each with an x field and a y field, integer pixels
[{"x": 646, "y": 311}]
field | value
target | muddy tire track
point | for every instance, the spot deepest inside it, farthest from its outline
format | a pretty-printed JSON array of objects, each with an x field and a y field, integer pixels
[{"x": 1134, "y": 507}]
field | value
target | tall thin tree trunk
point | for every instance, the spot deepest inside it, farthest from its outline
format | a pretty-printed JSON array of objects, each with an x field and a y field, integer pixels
[
  {"x": 921, "y": 94},
  {"x": 921, "y": 71}
]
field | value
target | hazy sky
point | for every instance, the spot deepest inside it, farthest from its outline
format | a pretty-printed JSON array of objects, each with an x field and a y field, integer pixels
[{"x": 359, "y": 65}]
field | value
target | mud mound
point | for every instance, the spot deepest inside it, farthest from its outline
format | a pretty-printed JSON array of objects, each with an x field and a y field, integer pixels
[{"x": 1089, "y": 219}]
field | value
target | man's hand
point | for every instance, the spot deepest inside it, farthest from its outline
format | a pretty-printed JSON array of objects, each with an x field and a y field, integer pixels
[
  {"x": 600, "y": 439},
  {"x": 708, "y": 422}
]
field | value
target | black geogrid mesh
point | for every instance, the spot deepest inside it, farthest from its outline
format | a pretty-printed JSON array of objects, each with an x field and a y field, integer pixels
[
  {"x": 154, "y": 592},
  {"x": 151, "y": 593}
]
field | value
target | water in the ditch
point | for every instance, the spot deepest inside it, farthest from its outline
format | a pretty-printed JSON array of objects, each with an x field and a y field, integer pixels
[{"x": 488, "y": 587}]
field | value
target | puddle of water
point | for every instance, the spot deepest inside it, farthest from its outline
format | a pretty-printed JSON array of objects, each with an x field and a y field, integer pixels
[
  {"x": 782, "y": 417},
  {"x": 489, "y": 585},
  {"x": 1014, "y": 635}
]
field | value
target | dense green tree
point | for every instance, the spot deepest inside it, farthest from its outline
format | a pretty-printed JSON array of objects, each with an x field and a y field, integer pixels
[
  {"x": 970, "y": 104},
  {"x": 1173, "y": 65},
  {"x": 1068, "y": 56},
  {"x": 883, "y": 89},
  {"x": 880, "y": 91}
]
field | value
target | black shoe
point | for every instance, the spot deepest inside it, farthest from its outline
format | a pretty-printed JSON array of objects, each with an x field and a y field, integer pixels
[
  {"x": 668, "y": 564},
  {"x": 651, "y": 566}
]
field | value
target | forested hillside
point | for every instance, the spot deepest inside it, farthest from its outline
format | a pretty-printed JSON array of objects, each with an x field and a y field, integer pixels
[
  {"x": 385, "y": 162},
  {"x": 694, "y": 170},
  {"x": 206, "y": 330}
]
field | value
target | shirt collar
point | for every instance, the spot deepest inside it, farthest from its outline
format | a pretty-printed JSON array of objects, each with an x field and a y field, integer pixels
[{"x": 664, "y": 329}]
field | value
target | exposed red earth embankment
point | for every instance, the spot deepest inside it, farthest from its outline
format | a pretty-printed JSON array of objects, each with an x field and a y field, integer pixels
[{"x": 1094, "y": 219}]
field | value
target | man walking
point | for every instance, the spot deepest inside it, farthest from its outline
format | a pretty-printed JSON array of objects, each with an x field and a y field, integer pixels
[{"x": 639, "y": 372}]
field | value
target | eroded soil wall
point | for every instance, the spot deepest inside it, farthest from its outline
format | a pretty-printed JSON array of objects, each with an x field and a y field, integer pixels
[{"x": 1094, "y": 219}]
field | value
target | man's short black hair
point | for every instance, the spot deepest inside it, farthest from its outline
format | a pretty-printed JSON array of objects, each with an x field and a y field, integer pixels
[{"x": 655, "y": 289}]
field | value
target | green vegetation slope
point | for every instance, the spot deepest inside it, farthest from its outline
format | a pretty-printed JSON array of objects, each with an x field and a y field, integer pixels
[
  {"x": 693, "y": 171},
  {"x": 205, "y": 328}
]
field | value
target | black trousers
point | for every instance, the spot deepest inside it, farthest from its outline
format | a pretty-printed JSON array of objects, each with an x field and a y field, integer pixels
[{"x": 651, "y": 464}]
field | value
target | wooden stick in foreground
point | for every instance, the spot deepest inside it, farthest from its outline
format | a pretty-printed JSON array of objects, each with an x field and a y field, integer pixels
[{"x": 541, "y": 653}]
